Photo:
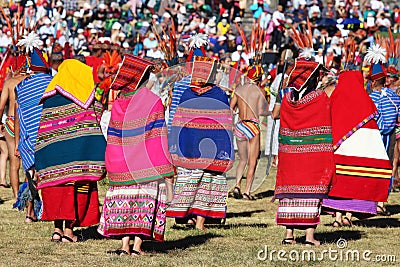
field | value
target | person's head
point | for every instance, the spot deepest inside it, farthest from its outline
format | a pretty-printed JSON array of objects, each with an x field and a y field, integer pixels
[
  {"x": 378, "y": 83},
  {"x": 280, "y": 8}
]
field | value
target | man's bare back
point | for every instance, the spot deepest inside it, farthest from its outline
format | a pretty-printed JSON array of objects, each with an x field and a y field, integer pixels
[
  {"x": 8, "y": 94},
  {"x": 250, "y": 100}
]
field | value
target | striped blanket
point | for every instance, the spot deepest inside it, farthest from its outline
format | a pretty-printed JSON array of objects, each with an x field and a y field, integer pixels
[
  {"x": 201, "y": 131},
  {"x": 137, "y": 147},
  {"x": 69, "y": 145},
  {"x": 29, "y": 92}
]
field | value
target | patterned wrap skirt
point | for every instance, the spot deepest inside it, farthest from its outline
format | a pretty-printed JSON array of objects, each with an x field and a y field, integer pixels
[
  {"x": 298, "y": 212},
  {"x": 199, "y": 193},
  {"x": 135, "y": 210}
]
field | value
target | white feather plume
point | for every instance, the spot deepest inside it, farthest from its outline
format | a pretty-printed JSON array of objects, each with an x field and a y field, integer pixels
[
  {"x": 198, "y": 40},
  {"x": 307, "y": 52},
  {"x": 376, "y": 54},
  {"x": 30, "y": 42}
]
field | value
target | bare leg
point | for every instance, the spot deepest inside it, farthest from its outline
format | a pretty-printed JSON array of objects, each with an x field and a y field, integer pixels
[
  {"x": 125, "y": 244},
  {"x": 3, "y": 160},
  {"x": 58, "y": 228},
  {"x": 242, "y": 151},
  {"x": 69, "y": 233},
  {"x": 200, "y": 223},
  {"x": 137, "y": 246},
  {"x": 289, "y": 239},
  {"x": 338, "y": 219},
  {"x": 253, "y": 152},
  {"x": 310, "y": 236},
  {"x": 29, "y": 212},
  {"x": 14, "y": 164}
]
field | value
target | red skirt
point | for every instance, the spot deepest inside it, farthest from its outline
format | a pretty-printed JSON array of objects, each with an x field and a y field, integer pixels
[{"x": 76, "y": 201}]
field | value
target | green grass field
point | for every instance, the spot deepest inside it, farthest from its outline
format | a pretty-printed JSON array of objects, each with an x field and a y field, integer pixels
[{"x": 249, "y": 228}]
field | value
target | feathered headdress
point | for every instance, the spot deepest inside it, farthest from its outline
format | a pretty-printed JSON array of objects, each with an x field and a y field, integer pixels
[
  {"x": 392, "y": 47},
  {"x": 168, "y": 44},
  {"x": 376, "y": 55},
  {"x": 197, "y": 44},
  {"x": 30, "y": 42},
  {"x": 304, "y": 40},
  {"x": 255, "y": 48},
  {"x": 350, "y": 54}
]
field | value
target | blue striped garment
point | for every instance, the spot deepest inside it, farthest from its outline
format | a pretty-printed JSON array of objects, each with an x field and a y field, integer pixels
[
  {"x": 179, "y": 88},
  {"x": 386, "y": 103},
  {"x": 29, "y": 92}
]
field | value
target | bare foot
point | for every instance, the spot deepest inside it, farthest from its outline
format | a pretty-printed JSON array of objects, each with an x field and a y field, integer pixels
[
  {"x": 312, "y": 243},
  {"x": 136, "y": 253},
  {"x": 30, "y": 219},
  {"x": 69, "y": 239}
]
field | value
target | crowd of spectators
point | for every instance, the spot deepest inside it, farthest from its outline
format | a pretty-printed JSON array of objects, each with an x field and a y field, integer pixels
[{"x": 129, "y": 25}]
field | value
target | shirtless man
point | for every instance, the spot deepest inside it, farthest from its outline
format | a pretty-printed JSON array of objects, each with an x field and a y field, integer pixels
[
  {"x": 250, "y": 100},
  {"x": 8, "y": 95}
]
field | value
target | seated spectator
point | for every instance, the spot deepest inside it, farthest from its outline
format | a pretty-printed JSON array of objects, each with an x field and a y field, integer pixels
[
  {"x": 383, "y": 23},
  {"x": 47, "y": 28},
  {"x": 150, "y": 42}
]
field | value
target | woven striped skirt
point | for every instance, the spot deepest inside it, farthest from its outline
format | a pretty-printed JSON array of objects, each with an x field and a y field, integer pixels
[
  {"x": 199, "y": 193},
  {"x": 135, "y": 210},
  {"x": 298, "y": 212}
]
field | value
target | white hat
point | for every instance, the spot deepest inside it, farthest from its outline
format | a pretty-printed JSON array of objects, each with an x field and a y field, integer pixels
[
  {"x": 80, "y": 31},
  {"x": 116, "y": 26},
  {"x": 93, "y": 31},
  {"x": 152, "y": 35},
  {"x": 329, "y": 50},
  {"x": 86, "y": 5},
  {"x": 154, "y": 16},
  {"x": 342, "y": 4},
  {"x": 125, "y": 45},
  {"x": 102, "y": 6},
  {"x": 231, "y": 37},
  {"x": 356, "y": 4},
  {"x": 77, "y": 14},
  {"x": 122, "y": 35},
  {"x": 235, "y": 57},
  {"x": 145, "y": 24},
  {"x": 59, "y": 4},
  {"x": 303, "y": 2},
  {"x": 239, "y": 48},
  {"x": 221, "y": 38},
  {"x": 47, "y": 21},
  {"x": 166, "y": 15},
  {"x": 114, "y": 4},
  {"x": 237, "y": 19},
  {"x": 29, "y": 3},
  {"x": 90, "y": 25},
  {"x": 182, "y": 10},
  {"x": 212, "y": 31}
]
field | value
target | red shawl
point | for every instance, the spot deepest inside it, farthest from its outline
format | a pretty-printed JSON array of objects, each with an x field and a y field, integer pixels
[{"x": 306, "y": 164}]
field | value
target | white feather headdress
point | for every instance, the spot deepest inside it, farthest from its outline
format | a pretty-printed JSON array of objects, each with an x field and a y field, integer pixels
[
  {"x": 376, "y": 54},
  {"x": 198, "y": 40},
  {"x": 30, "y": 42}
]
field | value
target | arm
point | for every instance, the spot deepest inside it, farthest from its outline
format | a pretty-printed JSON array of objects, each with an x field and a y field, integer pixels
[
  {"x": 4, "y": 97},
  {"x": 276, "y": 111},
  {"x": 16, "y": 131}
]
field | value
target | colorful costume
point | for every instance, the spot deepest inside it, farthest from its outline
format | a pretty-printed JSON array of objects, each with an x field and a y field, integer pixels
[
  {"x": 362, "y": 171},
  {"x": 247, "y": 129},
  {"x": 9, "y": 125},
  {"x": 306, "y": 164},
  {"x": 70, "y": 147},
  {"x": 137, "y": 158},
  {"x": 201, "y": 146}
]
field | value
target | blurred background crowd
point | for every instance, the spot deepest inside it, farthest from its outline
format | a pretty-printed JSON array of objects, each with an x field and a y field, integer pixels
[{"x": 129, "y": 26}]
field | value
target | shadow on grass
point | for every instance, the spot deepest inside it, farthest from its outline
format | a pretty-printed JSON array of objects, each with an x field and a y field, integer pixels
[
  {"x": 331, "y": 237},
  {"x": 220, "y": 226},
  {"x": 379, "y": 222},
  {"x": 89, "y": 233},
  {"x": 2, "y": 201},
  {"x": 268, "y": 193},
  {"x": 184, "y": 243},
  {"x": 242, "y": 214},
  {"x": 393, "y": 209}
]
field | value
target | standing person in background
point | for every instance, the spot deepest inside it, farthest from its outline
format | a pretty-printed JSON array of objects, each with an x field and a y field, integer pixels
[
  {"x": 278, "y": 18},
  {"x": 16, "y": 75},
  {"x": 250, "y": 100},
  {"x": 28, "y": 93}
]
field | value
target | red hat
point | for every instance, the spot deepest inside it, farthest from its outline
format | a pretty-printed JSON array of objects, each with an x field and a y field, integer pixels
[
  {"x": 131, "y": 73},
  {"x": 302, "y": 71}
]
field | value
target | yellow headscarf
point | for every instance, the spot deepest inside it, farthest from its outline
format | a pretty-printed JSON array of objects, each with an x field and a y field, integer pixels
[{"x": 74, "y": 80}]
